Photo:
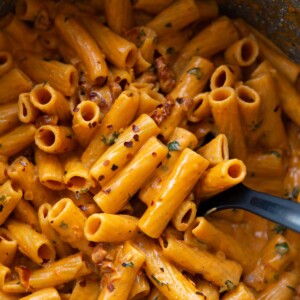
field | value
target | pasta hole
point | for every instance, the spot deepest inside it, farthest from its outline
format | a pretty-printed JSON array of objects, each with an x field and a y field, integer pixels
[
  {"x": 94, "y": 225},
  {"x": 87, "y": 113},
  {"x": 58, "y": 208},
  {"x": 47, "y": 137},
  {"x": 54, "y": 183},
  {"x": 247, "y": 51},
  {"x": 221, "y": 79},
  {"x": 187, "y": 216},
  {"x": 24, "y": 110},
  {"x": 77, "y": 181},
  {"x": 246, "y": 95},
  {"x": 234, "y": 171},
  {"x": 43, "y": 96},
  {"x": 45, "y": 252},
  {"x": 45, "y": 212},
  {"x": 131, "y": 58},
  {"x": 3, "y": 59}
]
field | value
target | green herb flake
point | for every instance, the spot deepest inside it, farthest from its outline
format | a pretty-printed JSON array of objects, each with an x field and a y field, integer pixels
[
  {"x": 159, "y": 282},
  {"x": 279, "y": 229},
  {"x": 170, "y": 50},
  {"x": 282, "y": 248},
  {"x": 276, "y": 276},
  {"x": 3, "y": 197},
  {"x": 173, "y": 146},
  {"x": 168, "y": 25},
  {"x": 110, "y": 140},
  {"x": 1, "y": 207},
  {"x": 84, "y": 190},
  {"x": 63, "y": 225},
  {"x": 256, "y": 125},
  {"x": 291, "y": 288},
  {"x": 229, "y": 286},
  {"x": 274, "y": 153},
  {"x": 129, "y": 264},
  {"x": 142, "y": 32},
  {"x": 196, "y": 72}
]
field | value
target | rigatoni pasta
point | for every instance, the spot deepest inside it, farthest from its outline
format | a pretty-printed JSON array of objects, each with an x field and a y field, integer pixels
[{"x": 117, "y": 120}]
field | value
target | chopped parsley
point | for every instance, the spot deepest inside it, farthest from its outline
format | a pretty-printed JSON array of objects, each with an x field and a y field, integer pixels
[
  {"x": 256, "y": 125},
  {"x": 196, "y": 72},
  {"x": 170, "y": 50},
  {"x": 282, "y": 248},
  {"x": 1, "y": 207},
  {"x": 63, "y": 225},
  {"x": 173, "y": 146},
  {"x": 84, "y": 190},
  {"x": 229, "y": 286},
  {"x": 3, "y": 197},
  {"x": 129, "y": 264},
  {"x": 160, "y": 283},
  {"x": 279, "y": 229},
  {"x": 110, "y": 140},
  {"x": 274, "y": 153}
]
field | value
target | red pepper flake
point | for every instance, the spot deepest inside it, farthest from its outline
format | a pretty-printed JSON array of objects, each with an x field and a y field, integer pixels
[
  {"x": 82, "y": 207},
  {"x": 114, "y": 167},
  {"x": 128, "y": 144},
  {"x": 107, "y": 191},
  {"x": 159, "y": 164},
  {"x": 136, "y": 137},
  {"x": 129, "y": 156},
  {"x": 82, "y": 283},
  {"x": 106, "y": 163},
  {"x": 101, "y": 177},
  {"x": 92, "y": 244},
  {"x": 154, "y": 154},
  {"x": 110, "y": 287},
  {"x": 109, "y": 127},
  {"x": 152, "y": 203},
  {"x": 135, "y": 128}
]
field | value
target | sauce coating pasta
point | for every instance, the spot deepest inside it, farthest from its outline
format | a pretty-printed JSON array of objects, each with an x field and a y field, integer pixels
[{"x": 117, "y": 120}]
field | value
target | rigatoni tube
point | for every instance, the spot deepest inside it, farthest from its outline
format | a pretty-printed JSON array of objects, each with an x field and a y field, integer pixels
[
  {"x": 116, "y": 193},
  {"x": 62, "y": 77},
  {"x": 110, "y": 228},
  {"x": 55, "y": 139},
  {"x": 18, "y": 83},
  {"x": 86, "y": 119},
  {"x": 9, "y": 198},
  {"x": 50, "y": 101},
  {"x": 243, "y": 53},
  {"x": 125, "y": 147},
  {"x": 68, "y": 220},
  {"x": 85, "y": 46},
  {"x": 16, "y": 140},
  {"x": 220, "y": 177},
  {"x": 27, "y": 112},
  {"x": 224, "y": 107},
  {"x": 31, "y": 243},
  {"x": 175, "y": 189}
]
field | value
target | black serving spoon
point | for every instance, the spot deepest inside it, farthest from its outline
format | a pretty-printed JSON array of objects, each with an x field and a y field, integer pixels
[{"x": 278, "y": 210}]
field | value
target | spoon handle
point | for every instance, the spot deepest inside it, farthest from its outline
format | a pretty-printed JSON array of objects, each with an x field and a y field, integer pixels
[{"x": 278, "y": 210}]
